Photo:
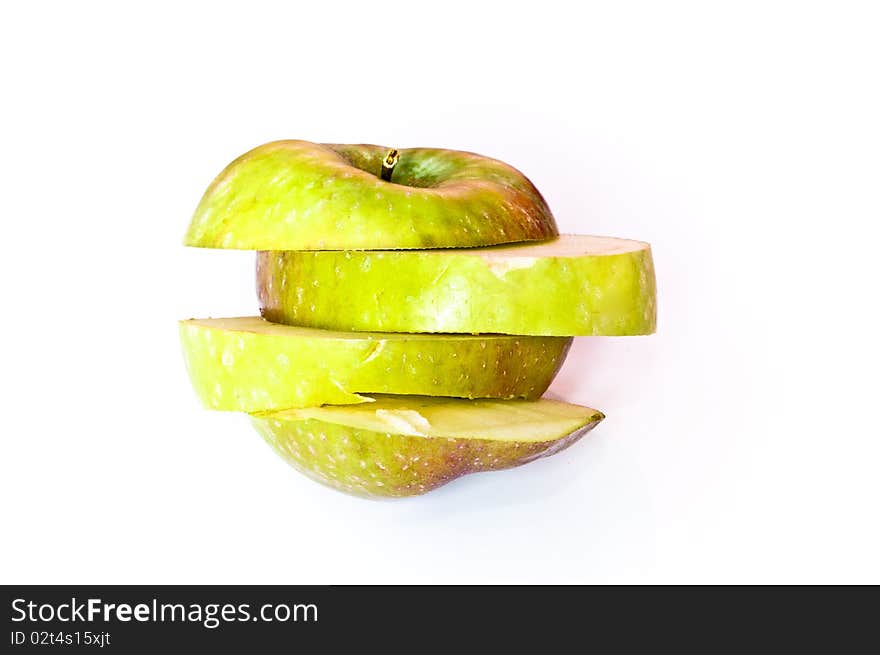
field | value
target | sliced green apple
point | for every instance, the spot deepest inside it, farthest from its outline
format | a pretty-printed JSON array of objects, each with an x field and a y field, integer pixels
[
  {"x": 296, "y": 195},
  {"x": 408, "y": 445},
  {"x": 568, "y": 286},
  {"x": 250, "y": 365}
]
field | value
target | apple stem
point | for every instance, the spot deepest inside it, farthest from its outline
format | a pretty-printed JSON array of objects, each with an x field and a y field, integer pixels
[{"x": 389, "y": 163}]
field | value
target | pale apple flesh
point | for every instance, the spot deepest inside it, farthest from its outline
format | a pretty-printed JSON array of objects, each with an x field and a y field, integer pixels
[
  {"x": 297, "y": 195},
  {"x": 249, "y": 365},
  {"x": 567, "y": 286},
  {"x": 408, "y": 445}
]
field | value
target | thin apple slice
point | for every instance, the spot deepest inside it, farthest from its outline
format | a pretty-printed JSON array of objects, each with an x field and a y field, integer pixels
[
  {"x": 296, "y": 195},
  {"x": 250, "y": 365},
  {"x": 569, "y": 286},
  {"x": 408, "y": 445}
]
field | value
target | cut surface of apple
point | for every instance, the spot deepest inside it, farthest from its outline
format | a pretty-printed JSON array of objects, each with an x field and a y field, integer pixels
[
  {"x": 568, "y": 286},
  {"x": 297, "y": 195},
  {"x": 248, "y": 364},
  {"x": 408, "y": 445}
]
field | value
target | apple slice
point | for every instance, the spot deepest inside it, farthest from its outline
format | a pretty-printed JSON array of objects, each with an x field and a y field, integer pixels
[
  {"x": 408, "y": 445},
  {"x": 250, "y": 365},
  {"x": 569, "y": 286},
  {"x": 296, "y": 195}
]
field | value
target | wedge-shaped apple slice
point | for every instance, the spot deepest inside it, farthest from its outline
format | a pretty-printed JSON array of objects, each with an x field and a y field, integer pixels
[
  {"x": 296, "y": 195},
  {"x": 250, "y": 365},
  {"x": 571, "y": 285},
  {"x": 408, "y": 445}
]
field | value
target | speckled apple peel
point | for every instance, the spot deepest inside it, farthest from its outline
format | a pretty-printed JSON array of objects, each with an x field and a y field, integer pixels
[
  {"x": 571, "y": 285},
  {"x": 405, "y": 446},
  {"x": 249, "y": 365},
  {"x": 296, "y": 195}
]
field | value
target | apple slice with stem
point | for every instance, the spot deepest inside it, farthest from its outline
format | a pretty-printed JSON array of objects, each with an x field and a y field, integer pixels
[
  {"x": 409, "y": 445},
  {"x": 568, "y": 286},
  {"x": 248, "y": 364},
  {"x": 297, "y": 195}
]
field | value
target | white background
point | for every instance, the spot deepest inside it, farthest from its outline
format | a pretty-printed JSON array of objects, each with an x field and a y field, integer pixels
[{"x": 741, "y": 139}]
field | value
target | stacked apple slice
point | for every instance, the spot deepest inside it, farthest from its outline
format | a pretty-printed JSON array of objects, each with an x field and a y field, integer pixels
[{"x": 416, "y": 305}]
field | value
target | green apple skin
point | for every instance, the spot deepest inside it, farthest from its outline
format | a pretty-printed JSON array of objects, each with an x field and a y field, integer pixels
[
  {"x": 393, "y": 457},
  {"x": 570, "y": 286},
  {"x": 297, "y": 195},
  {"x": 249, "y": 365}
]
